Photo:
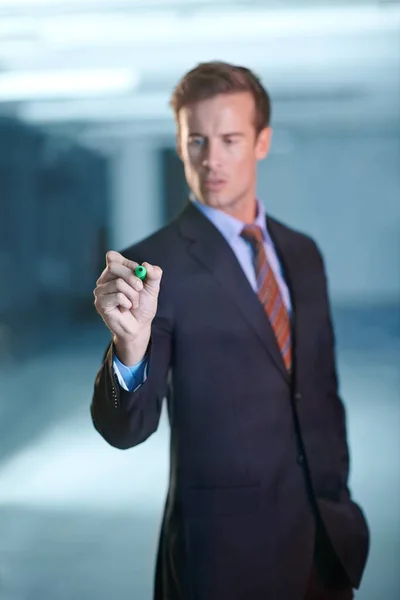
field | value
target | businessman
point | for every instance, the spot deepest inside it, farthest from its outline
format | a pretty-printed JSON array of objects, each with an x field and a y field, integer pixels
[{"x": 232, "y": 325}]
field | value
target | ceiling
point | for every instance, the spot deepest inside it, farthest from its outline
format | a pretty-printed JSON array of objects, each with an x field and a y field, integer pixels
[{"x": 103, "y": 63}]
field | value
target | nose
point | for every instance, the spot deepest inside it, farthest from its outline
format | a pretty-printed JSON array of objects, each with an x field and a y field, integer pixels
[{"x": 211, "y": 157}]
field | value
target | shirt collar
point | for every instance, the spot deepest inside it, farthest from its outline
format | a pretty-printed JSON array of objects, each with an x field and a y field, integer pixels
[{"x": 229, "y": 226}]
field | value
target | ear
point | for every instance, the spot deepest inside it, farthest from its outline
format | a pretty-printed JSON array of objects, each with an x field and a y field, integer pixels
[
  {"x": 178, "y": 145},
  {"x": 263, "y": 143}
]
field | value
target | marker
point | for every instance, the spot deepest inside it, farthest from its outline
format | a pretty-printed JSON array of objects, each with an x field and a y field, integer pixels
[{"x": 141, "y": 272}]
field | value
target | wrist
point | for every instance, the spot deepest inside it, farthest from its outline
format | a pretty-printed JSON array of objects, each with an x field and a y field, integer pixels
[{"x": 131, "y": 352}]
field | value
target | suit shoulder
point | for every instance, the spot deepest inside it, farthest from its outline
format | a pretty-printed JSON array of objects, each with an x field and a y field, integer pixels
[{"x": 299, "y": 240}]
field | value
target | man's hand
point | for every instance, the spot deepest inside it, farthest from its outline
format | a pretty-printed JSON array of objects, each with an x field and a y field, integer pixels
[{"x": 127, "y": 305}]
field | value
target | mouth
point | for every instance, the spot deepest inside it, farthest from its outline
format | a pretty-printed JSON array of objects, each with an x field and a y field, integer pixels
[{"x": 214, "y": 184}]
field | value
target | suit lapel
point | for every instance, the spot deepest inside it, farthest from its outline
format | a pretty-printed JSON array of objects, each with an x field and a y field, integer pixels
[
  {"x": 292, "y": 262},
  {"x": 208, "y": 247}
]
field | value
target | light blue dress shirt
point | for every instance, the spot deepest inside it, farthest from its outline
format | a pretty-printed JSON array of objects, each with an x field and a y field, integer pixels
[{"x": 131, "y": 377}]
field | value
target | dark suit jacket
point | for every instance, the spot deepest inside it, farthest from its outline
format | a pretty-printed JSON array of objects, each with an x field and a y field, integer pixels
[{"x": 256, "y": 458}]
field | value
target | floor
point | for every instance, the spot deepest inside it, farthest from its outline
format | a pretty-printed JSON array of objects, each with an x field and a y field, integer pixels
[{"x": 79, "y": 520}]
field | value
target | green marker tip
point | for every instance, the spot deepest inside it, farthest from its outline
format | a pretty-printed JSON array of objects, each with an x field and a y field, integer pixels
[{"x": 141, "y": 272}]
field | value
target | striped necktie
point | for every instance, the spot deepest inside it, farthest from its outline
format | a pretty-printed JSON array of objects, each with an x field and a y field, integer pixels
[{"x": 269, "y": 293}]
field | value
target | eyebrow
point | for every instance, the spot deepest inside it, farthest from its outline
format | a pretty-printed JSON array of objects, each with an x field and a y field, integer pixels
[{"x": 229, "y": 134}]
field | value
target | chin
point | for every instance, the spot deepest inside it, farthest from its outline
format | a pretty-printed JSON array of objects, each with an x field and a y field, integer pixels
[{"x": 215, "y": 199}]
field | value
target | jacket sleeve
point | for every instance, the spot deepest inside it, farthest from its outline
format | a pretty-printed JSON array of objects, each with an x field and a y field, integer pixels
[
  {"x": 344, "y": 515},
  {"x": 125, "y": 419},
  {"x": 328, "y": 346}
]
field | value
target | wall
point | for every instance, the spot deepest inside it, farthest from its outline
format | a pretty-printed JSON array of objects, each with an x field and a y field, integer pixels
[{"x": 136, "y": 210}]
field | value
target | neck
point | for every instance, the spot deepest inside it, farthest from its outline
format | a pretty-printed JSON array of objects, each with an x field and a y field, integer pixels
[{"x": 244, "y": 211}]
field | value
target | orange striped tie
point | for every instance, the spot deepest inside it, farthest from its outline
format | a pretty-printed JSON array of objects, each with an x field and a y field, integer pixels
[{"x": 269, "y": 293}]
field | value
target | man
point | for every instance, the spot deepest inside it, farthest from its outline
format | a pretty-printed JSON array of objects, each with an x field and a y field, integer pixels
[{"x": 233, "y": 326}]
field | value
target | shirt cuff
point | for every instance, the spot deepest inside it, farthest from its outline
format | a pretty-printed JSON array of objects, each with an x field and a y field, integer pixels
[{"x": 130, "y": 378}]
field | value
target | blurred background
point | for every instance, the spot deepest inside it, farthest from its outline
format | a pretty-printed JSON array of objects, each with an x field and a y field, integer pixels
[{"x": 87, "y": 163}]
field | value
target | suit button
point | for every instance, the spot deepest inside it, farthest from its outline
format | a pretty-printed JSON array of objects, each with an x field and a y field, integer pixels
[
  {"x": 300, "y": 459},
  {"x": 298, "y": 396}
]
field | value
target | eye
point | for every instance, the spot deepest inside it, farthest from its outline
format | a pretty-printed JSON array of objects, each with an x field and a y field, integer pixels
[{"x": 196, "y": 141}]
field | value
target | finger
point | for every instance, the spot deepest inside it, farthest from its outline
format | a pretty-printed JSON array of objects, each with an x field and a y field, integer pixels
[
  {"x": 119, "y": 285},
  {"x": 115, "y": 270},
  {"x": 107, "y": 303},
  {"x": 115, "y": 257}
]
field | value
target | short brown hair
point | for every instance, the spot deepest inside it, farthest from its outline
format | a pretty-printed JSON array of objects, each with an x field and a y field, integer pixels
[{"x": 210, "y": 79}]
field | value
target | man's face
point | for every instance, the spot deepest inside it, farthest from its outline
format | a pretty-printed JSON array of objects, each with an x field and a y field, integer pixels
[{"x": 218, "y": 145}]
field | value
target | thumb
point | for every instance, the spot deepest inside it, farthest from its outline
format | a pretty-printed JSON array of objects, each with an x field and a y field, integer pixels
[{"x": 153, "y": 277}]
